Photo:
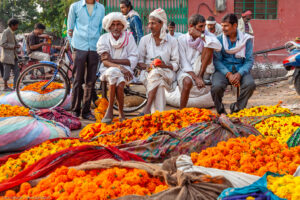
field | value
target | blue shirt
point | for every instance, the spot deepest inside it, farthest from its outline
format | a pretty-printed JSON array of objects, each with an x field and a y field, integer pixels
[
  {"x": 136, "y": 27},
  {"x": 223, "y": 61},
  {"x": 86, "y": 28}
]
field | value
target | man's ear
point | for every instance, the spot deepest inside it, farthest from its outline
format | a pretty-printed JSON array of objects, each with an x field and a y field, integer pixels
[{"x": 235, "y": 26}]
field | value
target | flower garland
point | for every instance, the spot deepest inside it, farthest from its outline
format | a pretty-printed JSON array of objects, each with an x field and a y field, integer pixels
[
  {"x": 261, "y": 111},
  {"x": 12, "y": 167},
  {"x": 102, "y": 105},
  {"x": 142, "y": 127},
  {"x": 281, "y": 128},
  {"x": 253, "y": 155},
  {"x": 287, "y": 186},
  {"x": 11, "y": 111},
  {"x": 37, "y": 87},
  {"x": 69, "y": 183}
]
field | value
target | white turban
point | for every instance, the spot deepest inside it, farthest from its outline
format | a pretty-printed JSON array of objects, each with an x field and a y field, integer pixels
[
  {"x": 162, "y": 16},
  {"x": 210, "y": 22},
  {"x": 114, "y": 16}
]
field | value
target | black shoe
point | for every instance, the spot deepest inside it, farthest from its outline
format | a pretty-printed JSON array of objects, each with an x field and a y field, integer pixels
[
  {"x": 76, "y": 114},
  {"x": 233, "y": 108},
  {"x": 89, "y": 116}
]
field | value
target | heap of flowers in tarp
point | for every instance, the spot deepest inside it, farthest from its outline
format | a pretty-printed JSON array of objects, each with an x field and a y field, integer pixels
[
  {"x": 110, "y": 183},
  {"x": 14, "y": 166},
  {"x": 142, "y": 127},
  {"x": 273, "y": 121},
  {"x": 253, "y": 155},
  {"x": 11, "y": 111},
  {"x": 37, "y": 87}
]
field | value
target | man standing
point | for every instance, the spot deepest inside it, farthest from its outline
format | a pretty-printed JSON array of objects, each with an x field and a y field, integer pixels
[
  {"x": 213, "y": 27},
  {"x": 9, "y": 55},
  {"x": 133, "y": 18},
  {"x": 244, "y": 23},
  {"x": 84, "y": 27},
  {"x": 233, "y": 64},
  {"x": 34, "y": 44},
  {"x": 171, "y": 29}
]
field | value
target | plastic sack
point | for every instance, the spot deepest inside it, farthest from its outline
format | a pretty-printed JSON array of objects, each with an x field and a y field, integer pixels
[
  {"x": 259, "y": 187},
  {"x": 68, "y": 157},
  {"x": 20, "y": 133},
  {"x": 34, "y": 99},
  {"x": 237, "y": 179},
  {"x": 202, "y": 100},
  {"x": 62, "y": 116}
]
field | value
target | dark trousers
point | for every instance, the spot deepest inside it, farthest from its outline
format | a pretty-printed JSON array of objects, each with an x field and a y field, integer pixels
[
  {"x": 1, "y": 70},
  {"x": 8, "y": 68},
  {"x": 219, "y": 84},
  {"x": 85, "y": 69}
]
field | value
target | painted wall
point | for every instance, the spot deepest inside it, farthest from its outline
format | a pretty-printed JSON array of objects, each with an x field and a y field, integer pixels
[{"x": 268, "y": 33}]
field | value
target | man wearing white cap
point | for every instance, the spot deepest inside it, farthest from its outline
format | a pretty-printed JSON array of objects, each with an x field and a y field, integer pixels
[
  {"x": 213, "y": 27},
  {"x": 158, "y": 44},
  {"x": 119, "y": 56},
  {"x": 244, "y": 23}
]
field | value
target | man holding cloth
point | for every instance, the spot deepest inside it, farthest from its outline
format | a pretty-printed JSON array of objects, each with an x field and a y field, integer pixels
[
  {"x": 84, "y": 27},
  {"x": 233, "y": 64}
]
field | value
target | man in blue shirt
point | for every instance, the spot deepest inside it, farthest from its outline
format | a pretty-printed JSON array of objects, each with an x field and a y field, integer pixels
[
  {"x": 133, "y": 18},
  {"x": 84, "y": 27},
  {"x": 233, "y": 64}
]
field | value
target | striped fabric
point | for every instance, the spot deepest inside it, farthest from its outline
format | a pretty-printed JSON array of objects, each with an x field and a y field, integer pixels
[{"x": 20, "y": 133}]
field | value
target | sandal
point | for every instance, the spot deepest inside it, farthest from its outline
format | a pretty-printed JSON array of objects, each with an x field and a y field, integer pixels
[
  {"x": 89, "y": 116},
  {"x": 122, "y": 119}
]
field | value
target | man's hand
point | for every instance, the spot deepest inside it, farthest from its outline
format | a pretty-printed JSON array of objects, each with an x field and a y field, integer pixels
[
  {"x": 194, "y": 33},
  {"x": 199, "y": 82},
  {"x": 163, "y": 65},
  {"x": 236, "y": 79},
  {"x": 128, "y": 76},
  {"x": 105, "y": 56}
]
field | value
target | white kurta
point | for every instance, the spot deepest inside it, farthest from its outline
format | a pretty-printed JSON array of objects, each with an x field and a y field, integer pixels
[
  {"x": 112, "y": 74},
  {"x": 190, "y": 60},
  {"x": 218, "y": 31},
  {"x": 164, "y": 79}
]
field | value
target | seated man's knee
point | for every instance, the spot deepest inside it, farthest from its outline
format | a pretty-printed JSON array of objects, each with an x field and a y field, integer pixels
[
  {"x": 251, "y": 86},
  {"x": 187, "y": 83},
  {"x": 215, "y": 88}
]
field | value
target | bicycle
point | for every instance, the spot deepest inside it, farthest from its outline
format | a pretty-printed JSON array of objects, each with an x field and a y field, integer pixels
[{"x": 59, "y": 74}]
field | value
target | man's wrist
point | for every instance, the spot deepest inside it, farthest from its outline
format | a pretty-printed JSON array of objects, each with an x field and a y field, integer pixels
[{"x": 228, "y": 74}]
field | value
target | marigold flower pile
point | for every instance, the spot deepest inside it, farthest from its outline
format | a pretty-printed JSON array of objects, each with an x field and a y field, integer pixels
[
  {"x": 287, "y": 186},
  {"x": 142, "y": 127},
  {"x": 37, "y": 87},
  {"x": 261, "y": 111},
  {"x": 102, "y": 105},
  {"x": 253, "y": 155},
  {"x": 11, "y": 111},
  {"x": 12, "y": 167},
  {"x": 281, "y": 128},
  {"x": 67, "y": 183}
]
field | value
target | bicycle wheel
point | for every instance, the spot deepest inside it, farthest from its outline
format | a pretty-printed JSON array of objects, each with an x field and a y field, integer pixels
[
  {"x": 42, "y": 86},
  {"x": 134, "y": 98}
]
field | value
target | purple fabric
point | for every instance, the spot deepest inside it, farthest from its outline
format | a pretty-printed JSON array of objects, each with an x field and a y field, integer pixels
[{"x": 197, "y": 44}]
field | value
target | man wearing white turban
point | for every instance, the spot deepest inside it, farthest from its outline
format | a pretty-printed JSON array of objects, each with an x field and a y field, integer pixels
[
  {"x": 119, "y": 56},
  {"x": 158, "y": 44}
]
